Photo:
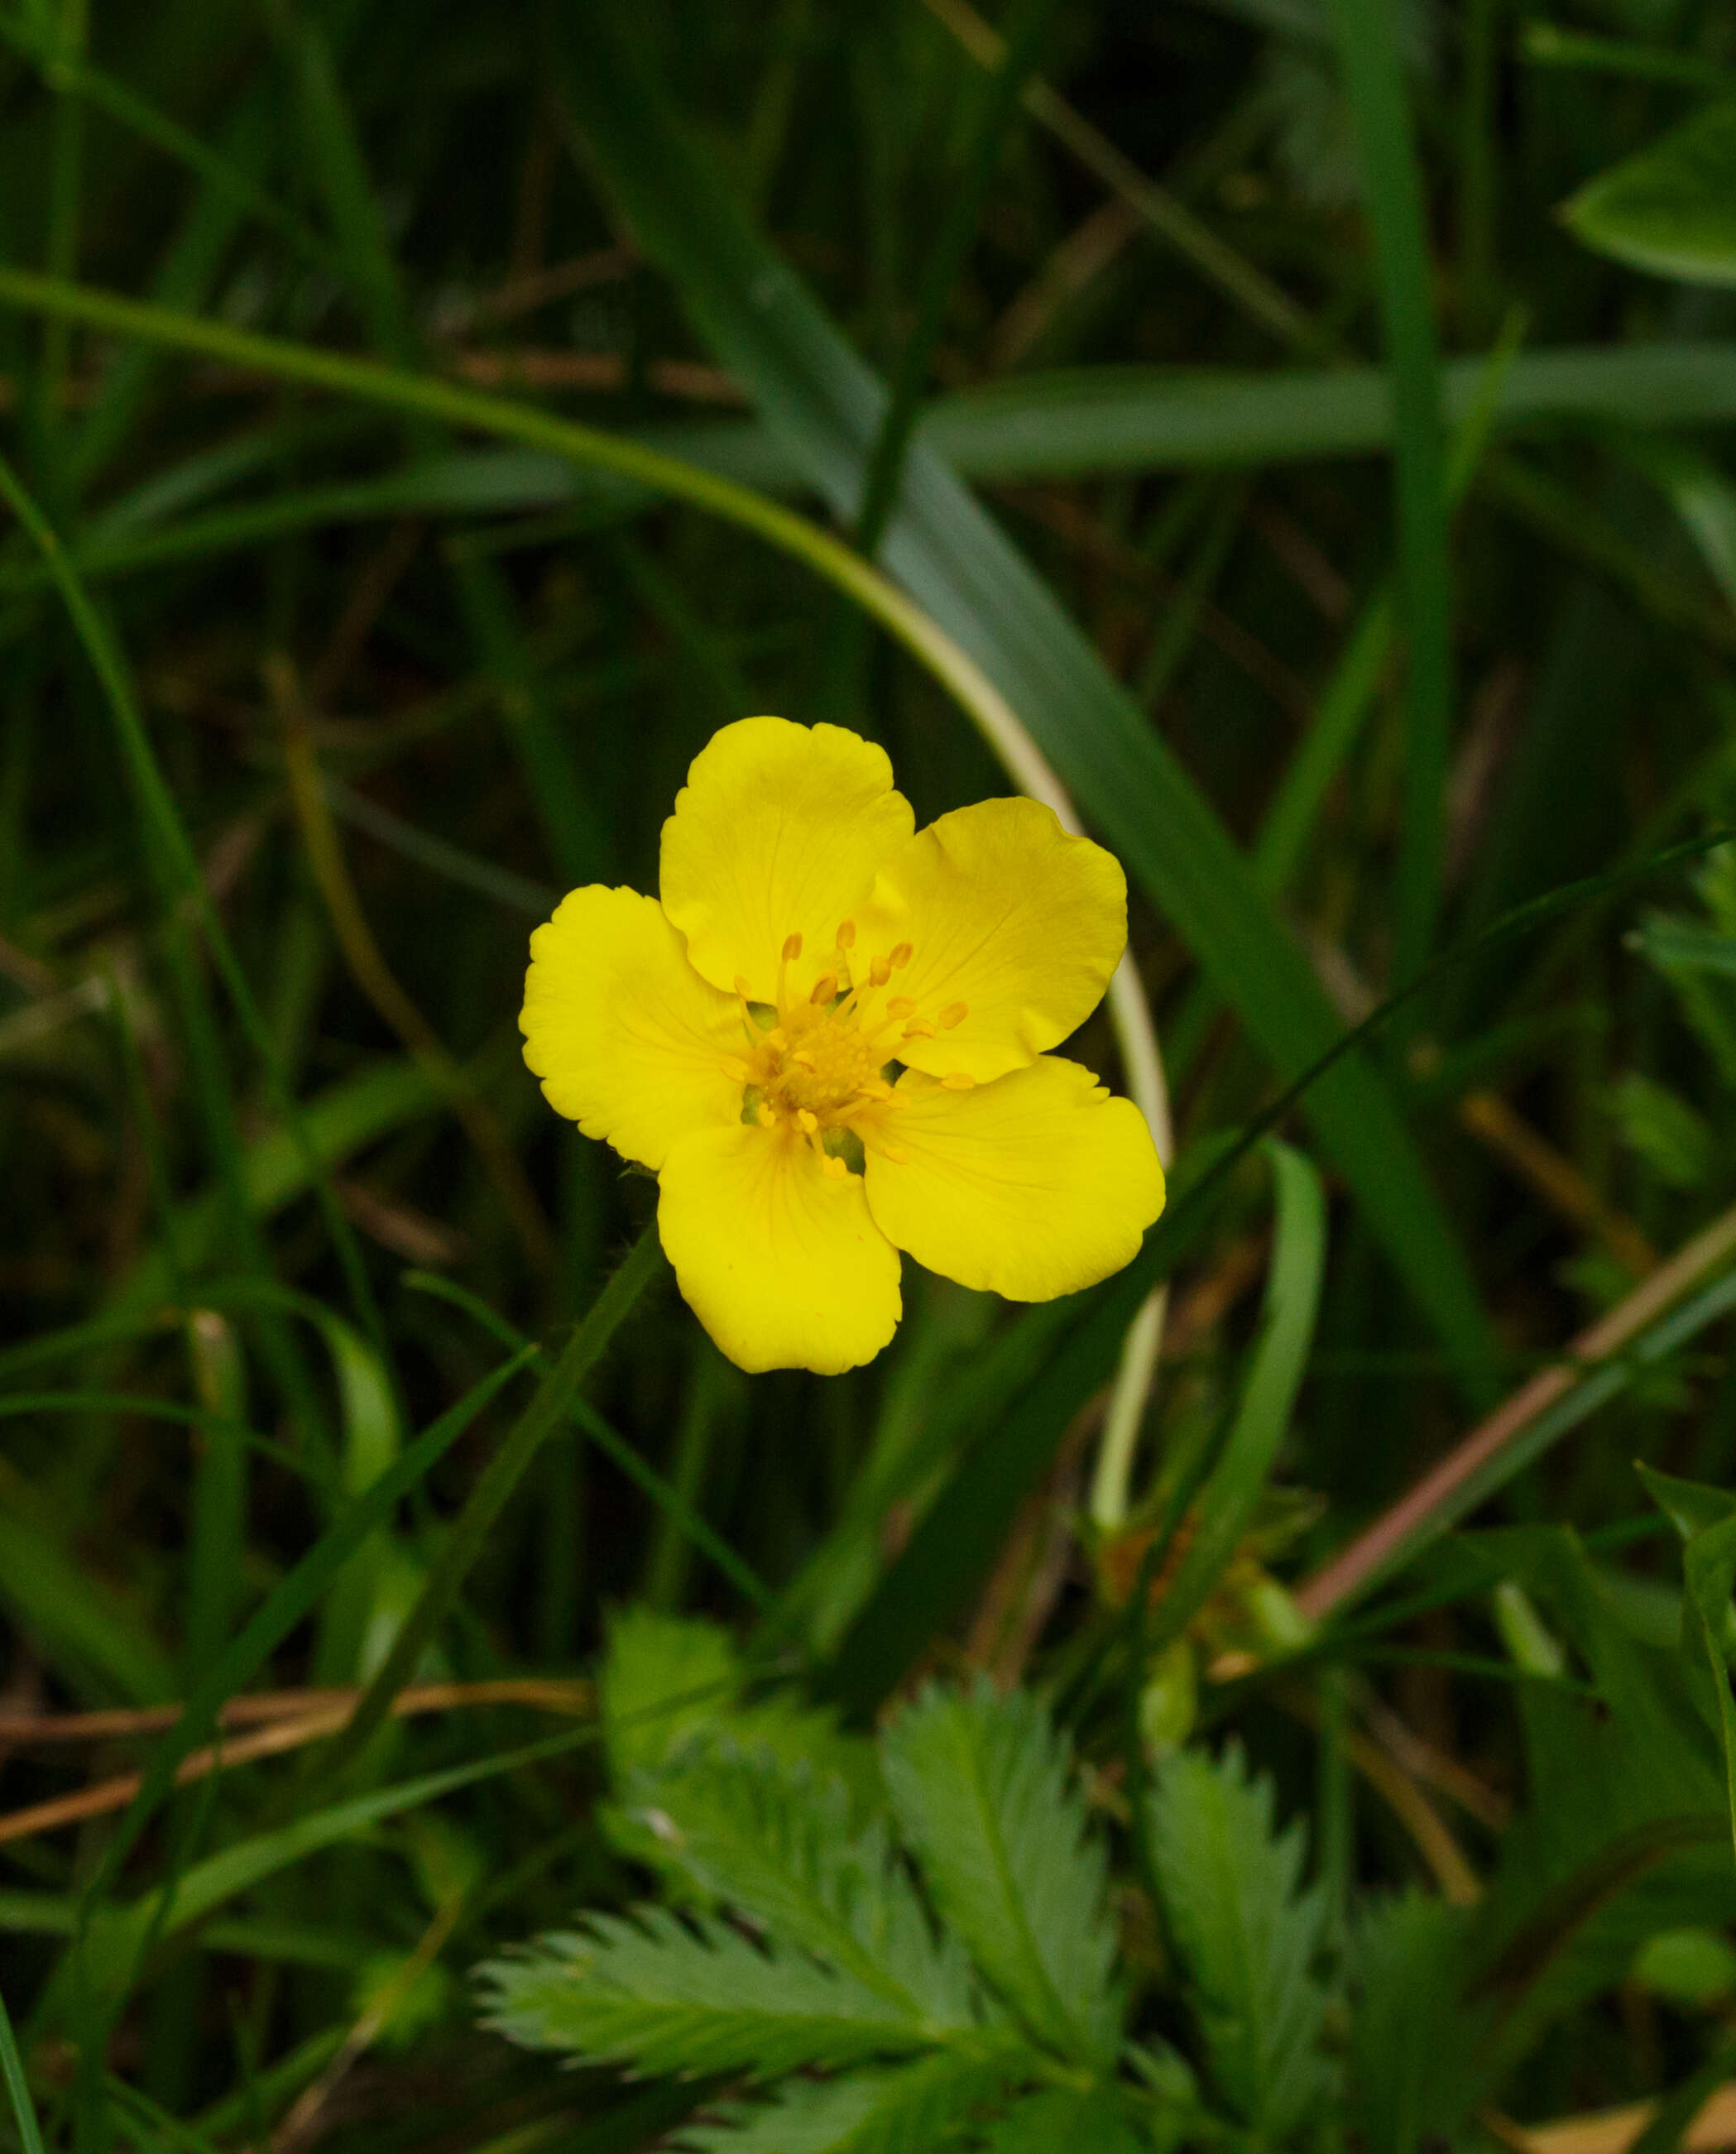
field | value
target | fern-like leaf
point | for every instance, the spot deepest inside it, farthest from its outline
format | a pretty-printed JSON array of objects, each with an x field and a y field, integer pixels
[
  {"x": 980, "y": 1783},
  {"x": 775, "y": 1842},
  {"x": 1246, "y": 1937},
  {"x": 1419, "y": 2059},
  {"x": 670, "y": 1683},
  {"x": 917, "y": 2109},
  {"x": 1094, "y": 2120},
  {"x": 666, "y": 1996}
]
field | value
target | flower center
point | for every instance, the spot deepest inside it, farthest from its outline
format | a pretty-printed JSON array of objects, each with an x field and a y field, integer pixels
[{"x": 814, "y": 1069}]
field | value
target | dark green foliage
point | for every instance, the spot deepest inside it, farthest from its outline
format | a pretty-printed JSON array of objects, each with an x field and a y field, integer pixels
[
  {"x": 1315, "y": 420},
  {"x": 1246, "y": 1936}
]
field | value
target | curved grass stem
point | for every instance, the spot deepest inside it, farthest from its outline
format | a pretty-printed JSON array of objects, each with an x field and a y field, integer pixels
[{"x": 953, "y": 667}]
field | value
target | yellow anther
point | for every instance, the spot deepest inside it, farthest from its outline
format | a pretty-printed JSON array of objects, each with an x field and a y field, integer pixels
[
  {"x": 891, "y": 1152},
  {"x": 880, "y": 972},
  {"x": 792, "y": 948},
  {"x": 901, "y": 953},
  {"x": 875, "y": 1088},
  {"x": 807, "y": 1123},
  {"x": 957, "y": 1081},
  {"x": 733, "y": 1066},
  {"x": 919, "y": 1028},
  {"x": 900, "y": 1005},
  {"x": 953, "y": 1013},
  {"x": 832, "y": 1166},
  {"x": 806, "y": 1061},
  {"x": 742, "y": 989},
  {"x": 825, "y": 987},
  {"x": 777, "y": 1038},
  {"x": 763, "y": 1115},
  {"x": 847, "y": 935}
]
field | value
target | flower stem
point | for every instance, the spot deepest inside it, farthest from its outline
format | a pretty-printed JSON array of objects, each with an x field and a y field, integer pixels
[{"x": 464, "y": 1544}]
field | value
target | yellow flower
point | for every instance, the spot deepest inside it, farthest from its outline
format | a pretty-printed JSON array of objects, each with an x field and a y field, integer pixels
[{"x": 827, "y": 1043}]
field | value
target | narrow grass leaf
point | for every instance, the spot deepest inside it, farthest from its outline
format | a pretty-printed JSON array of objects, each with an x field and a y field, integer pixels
[
  {"x": 18, "y": 2090},
  {"x": 1225, "y": 1506},
  {"x": 104, "y": 1960},
  {"x": 81, "y": 1626},
  {"x": 289, "y": 1602},
  {"x": 1368, "y": 48}
]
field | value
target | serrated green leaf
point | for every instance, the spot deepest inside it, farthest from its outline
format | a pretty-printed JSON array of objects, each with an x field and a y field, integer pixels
[
  {"x": 1672, "y": 209},
  {"x": 663, "y": 1995},
  {"x": 1244, "y": 1933},
  {"x": 664, "y": 1680},
  {"x": 670, "y": 1684},
  {"x": 1417, "y": 2067},
  {"x": 1620, "y": 1837},
  {"x": 907, "y": 2111},
  {"x": 775, "y": 1842},
  {"x": 1096, "y": 2120},
  {"x": 980, "y": 1784}
]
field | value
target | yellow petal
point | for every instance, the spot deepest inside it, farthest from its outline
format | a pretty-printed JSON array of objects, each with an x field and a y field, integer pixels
[
  {"x": 1034, "y": 1186},
  {"x": 629, "y": 1041},
  {"x": 780, "y": 1262},
  {"x": 777, "y": 832},
  {"x": 1006, "y": 914}
]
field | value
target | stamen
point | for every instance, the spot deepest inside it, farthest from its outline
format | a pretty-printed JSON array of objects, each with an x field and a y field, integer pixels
[
  {"x": 891, "y": 1152},
  {"x": 825, "y": 987},
  {"x": 847, "y": 935},
  {"x": 875, "y": 1088},
  {"x": 900, "y": 1005},
  {"x": 957, "y": 1081},
  {"x": 741, "y": 1071},
  {"x": 742, "y": 989},
  {"x": 833, "y": 1168},
  {"x": 954, "y": 1014},
  {"x": 792, "y": 948},
  {"x": 901, "y": 954},
  {"x": 880, "y": 972},
  {"x": 806, "y": 1121},
  {"x": 806, "y": 1061},
  {"x": 764, "y": 1116},
  {"x": 779, "y": 1038},
  {"x": 919, "y": 1028}
]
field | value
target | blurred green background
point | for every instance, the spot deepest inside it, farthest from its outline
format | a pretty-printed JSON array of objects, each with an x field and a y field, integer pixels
[{"x": 1312, "y": 417}]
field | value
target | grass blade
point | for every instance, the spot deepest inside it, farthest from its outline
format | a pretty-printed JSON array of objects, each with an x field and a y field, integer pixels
[
  {"x": 1367, "y": 36},
  {"x": 1226, "y": 1504},
  {"x": 505, "y": 1470},
  {"x": 12, "y": 2069}
]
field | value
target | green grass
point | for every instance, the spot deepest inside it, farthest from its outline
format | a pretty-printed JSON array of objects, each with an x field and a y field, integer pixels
[{"x": 423, "y": 427}]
